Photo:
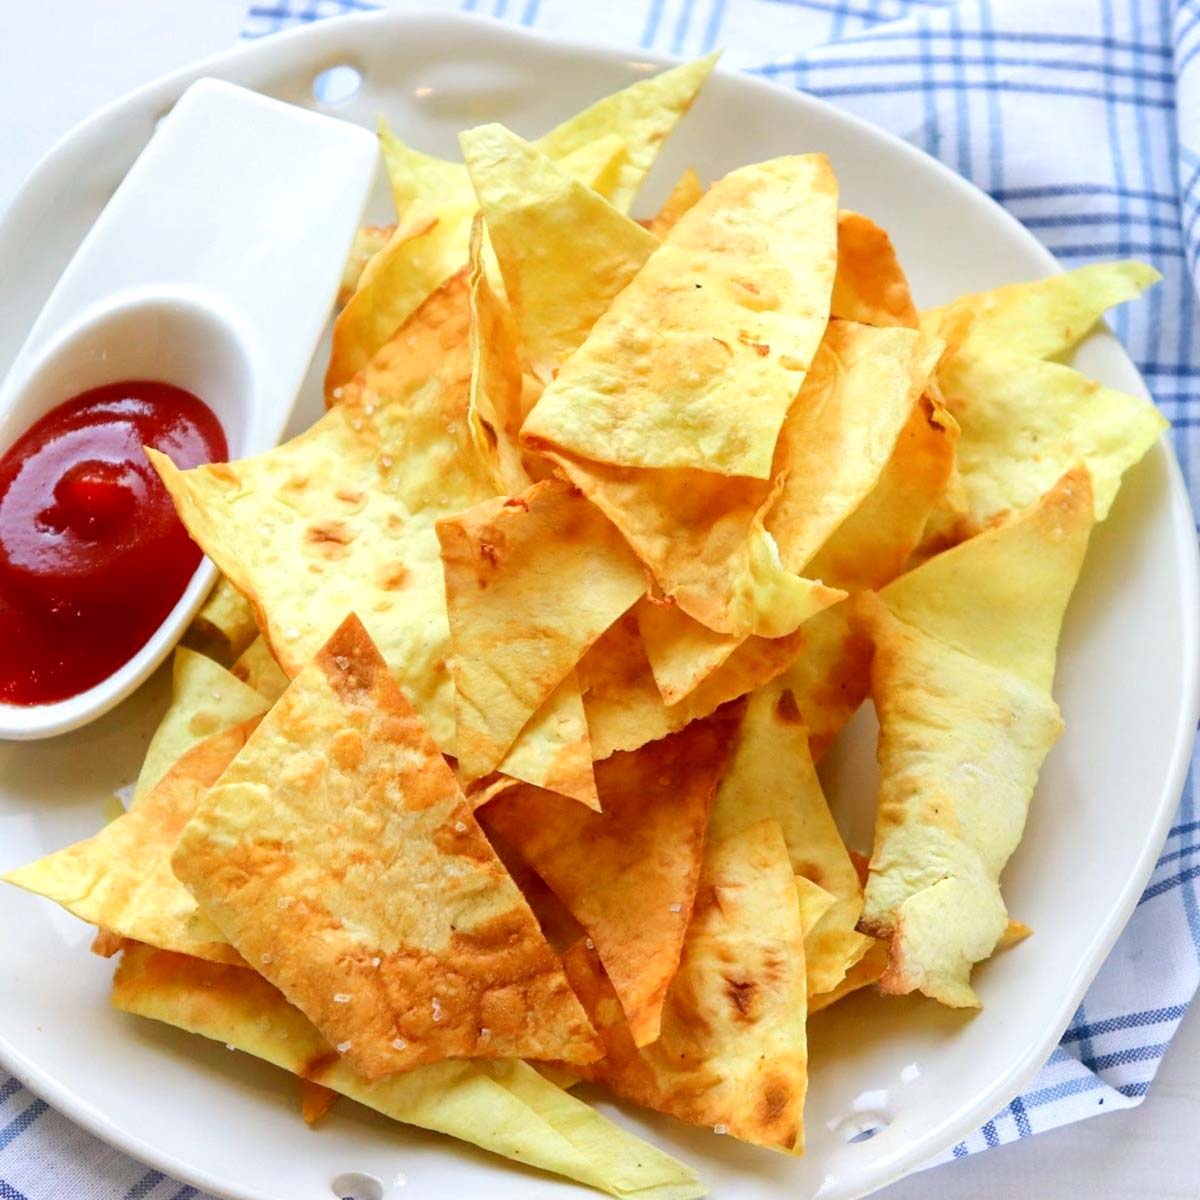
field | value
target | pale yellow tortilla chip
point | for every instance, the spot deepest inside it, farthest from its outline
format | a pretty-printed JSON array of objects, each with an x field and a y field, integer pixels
[
  {"x": 714, "y": 335},
  {"x": 868, "y": 970},
  {"x": 339, "y": 804},
  {"x": 553, "y": 750},
  {"x": 341, "y": 519},
  {"x": 771, "y": 777},
  {"x": 509, "y": 563},
  {"x": 419, "y": 180},
  {"x": 258, "y": 670},
  {"x": 225, "y": 624},
  {"x": 964, "y": 660},
  {"x": 496, "y": 407},
  {"x": 624, "y": 707},
  {"x": 960, "y": 746},
  {"x": 643, "y": 115},
  {"x": 121, "y": 877},
  {"x": 429, "y": 245},
  {"x": 205, "y": 699},
  {"x": 732, "y": 1053},
  {"x": 1025, "y": 421},
  {"x": 506, "y": 1108},
  {"x": 682, "y": 653},
  {"x": 1044, "y": 318},
  {"x": 870, "y": 285},
  {"x": 541, "y": 223},
  {"x": 687, "y": 190},
  {"x": 1000, "y": 597},
  {"x": 628, "y": 873}
]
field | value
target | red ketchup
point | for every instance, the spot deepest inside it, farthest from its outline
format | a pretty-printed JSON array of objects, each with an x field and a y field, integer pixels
[{"x": 92, "y": 555}]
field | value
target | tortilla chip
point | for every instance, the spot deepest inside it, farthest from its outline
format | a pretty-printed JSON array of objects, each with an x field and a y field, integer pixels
[
  {"x": 628, "y": 873},
  {"x": 258, "y": 670},
  {"x": 960, "y": 746},
  {"x": 121, "y": 877},
  {"x": 341, "y": 519},
  {"x": 714, "y": 335},
  {"x": 815, "y": 902},
  {"x": 870, "y": 285},
  {"x": 624, "y": 707},
  {"x": 368, "y": 242},
  {"x": 315, "y": 1100},
  {"x": 686, "y": 192},
  {"x": 682, "y": 653},
  {"x": 509, "y": 563},
  {"x": 964, "y": 661},
  {"x": 421, "y": 181},
  {"x": 868, "y": 970},
  {"x": 496, "y": 406},
  {"x": 428, "y": 247},
  {"x": 771, "y": 777},
  {"x": 205, "y": 699},
  {"x": 553, "y": 750},
  {"x": 1045, "y": 318},
  {"x": 506, "y": 1108},
  {"x": 1024, "y": 422},
  {"x": 337, "y": 805},
  {"x": 542, "y": 223},
  {"x": 225, "y": 624},
  {"x": 106, "y": 943},
  {"x": 643, "y": 115},
  {"x": 1000, "y": 597},
  {"x": 732, "y": 1052}
]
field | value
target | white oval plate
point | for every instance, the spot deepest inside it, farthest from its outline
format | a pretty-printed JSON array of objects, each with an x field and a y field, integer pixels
[{"x": 1126, "y": 684}]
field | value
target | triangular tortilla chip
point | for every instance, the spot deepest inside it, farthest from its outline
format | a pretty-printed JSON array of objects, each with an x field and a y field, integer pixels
[
  {"x": 868, "y": 970},
  {"x": 429, "y": 246},
  {"x": 815, "y": 902},
  {"x": 341, "y": 518},
  {"x": 419, "y": 180},
  {"x": 713, "y": 335},
  {"x": 1044, "y": 318},
  {"x": 624, "y": 707},
  {"x": 541, "y": 222},
  {"x": 642, "y": 115},
  {"x": 870, "y": 286},
  {"x": 687, "y": 190},
  {"x": 1025, "y": 421},
  {"x": 960, "y": 746},
  {"x": 205, "y": 699},
  {"x": 771, "y": 777},
  {"x": 964, "y": 661},
  {"x": 553, "y": 750},
  {"x": 121, "y": 877},
  {"x": 682, "y": 652},
  {"x": 259, "y": 671},
  {"x": 506, "y": 1108},
  {"x": 315, "y": 1100},
  {"x": 339, "y": 804},
  {"x": 628, "y": 873},
  {"x": 732, "y": 1053},
  {"x": 225, "y": 624},
  {"x": 1000, "y": 597},
  {"x": 509, "y": 563}
]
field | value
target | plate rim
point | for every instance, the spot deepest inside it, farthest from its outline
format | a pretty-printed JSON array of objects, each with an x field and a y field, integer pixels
[{"x": 320, "y": 38}]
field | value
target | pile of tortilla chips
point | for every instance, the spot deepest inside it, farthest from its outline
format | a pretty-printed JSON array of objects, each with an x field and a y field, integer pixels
[{"x": 490, "y": 766}]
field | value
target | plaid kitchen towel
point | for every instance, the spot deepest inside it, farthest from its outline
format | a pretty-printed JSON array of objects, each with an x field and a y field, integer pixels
[{"x": 973, "y": 83}]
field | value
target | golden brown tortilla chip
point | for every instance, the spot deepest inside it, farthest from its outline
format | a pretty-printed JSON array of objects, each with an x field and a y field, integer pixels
[
  {"x": 732, "y": 1053},
  {"x": 339, "y": 805},
  {"x": 771, "y": 777},
  {"x": 870, "y": 285},
  {"x": 628, "y": 873},
  {"x": 713, "y": 335},
  {"x": 121, "y": 877},
  {"x": 682, "y": 653},
  {"x": 341, "y": 519},
  {"x": 505, "y": 1107},
  {"x": 315, "y": 1100},
  {"x": 509, "y": 563}
]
